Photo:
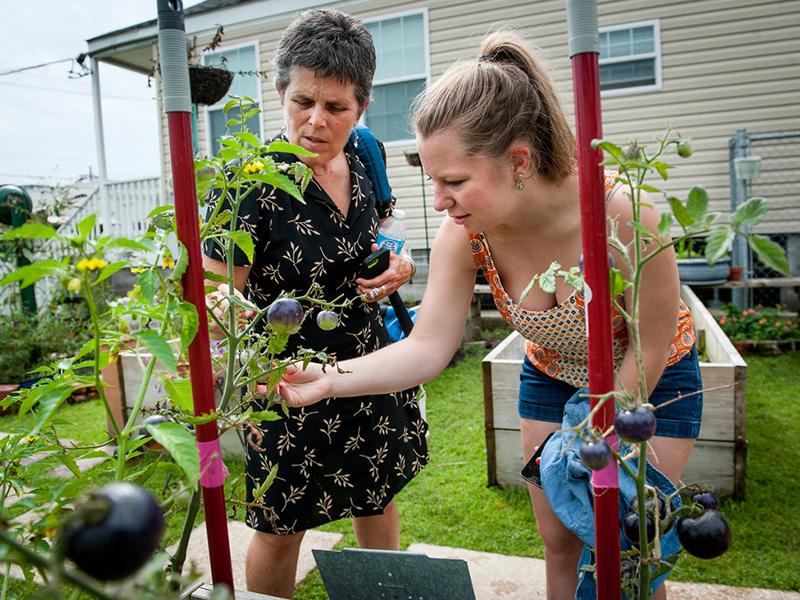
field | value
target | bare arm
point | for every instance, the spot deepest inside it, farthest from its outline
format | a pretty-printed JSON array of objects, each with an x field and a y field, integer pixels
[
  {"x": 659, "y": 299},
  {"x": 420, "y": 357}
]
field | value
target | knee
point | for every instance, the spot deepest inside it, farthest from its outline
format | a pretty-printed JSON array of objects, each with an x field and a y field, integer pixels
[
  {"x": 561, "y": 544},
  {"x": 269, "y": 544}
]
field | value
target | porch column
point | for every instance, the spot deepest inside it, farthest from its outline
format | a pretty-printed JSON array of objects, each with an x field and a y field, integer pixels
[{"x": 100, "y": 147}]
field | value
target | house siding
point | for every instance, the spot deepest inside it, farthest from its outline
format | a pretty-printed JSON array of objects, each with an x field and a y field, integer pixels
[{"x": 726, "y": 64}]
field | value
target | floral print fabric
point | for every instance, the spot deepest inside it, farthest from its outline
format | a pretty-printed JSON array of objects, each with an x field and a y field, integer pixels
[
  {"x": 556, "y": 338},
  {"x": 342, "y": 457}
]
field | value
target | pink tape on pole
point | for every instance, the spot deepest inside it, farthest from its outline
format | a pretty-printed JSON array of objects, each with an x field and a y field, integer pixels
[
  {"x": 212, "y": 469},
  {"x": 608, "y": 476}
]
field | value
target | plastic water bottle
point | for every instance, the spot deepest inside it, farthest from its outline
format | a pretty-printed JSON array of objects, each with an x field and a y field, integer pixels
[{"x": 392, "y": 232}]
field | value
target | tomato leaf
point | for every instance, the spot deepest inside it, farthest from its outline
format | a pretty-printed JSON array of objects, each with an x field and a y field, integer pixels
[
  {"x": 180, "y": 443},
  {"x": 159, "y": 348},
  {"x": 179, "y": 392},
  {"x": 682, "y": 215},
  {"x": 245, "y": 243},
  {"x": 109, "y": 270},
  {"x": 30, "y": 231}
]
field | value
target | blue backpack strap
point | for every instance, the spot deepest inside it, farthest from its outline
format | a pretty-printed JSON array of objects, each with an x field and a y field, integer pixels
[{"x": 369, "y": 151}]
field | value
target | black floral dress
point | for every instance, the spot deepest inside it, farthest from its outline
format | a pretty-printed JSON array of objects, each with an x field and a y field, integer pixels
[{"x": 341, "y": 457}]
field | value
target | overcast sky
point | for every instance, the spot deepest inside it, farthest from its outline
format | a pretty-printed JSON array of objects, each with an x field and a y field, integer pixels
[{"x": 46, "y": 121}]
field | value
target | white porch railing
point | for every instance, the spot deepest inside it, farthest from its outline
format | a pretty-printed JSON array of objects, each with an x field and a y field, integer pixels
[{"x": 129, "y": 202}]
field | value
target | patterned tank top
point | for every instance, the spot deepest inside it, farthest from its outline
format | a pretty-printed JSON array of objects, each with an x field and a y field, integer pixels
[{"x": 556, "y": 337}]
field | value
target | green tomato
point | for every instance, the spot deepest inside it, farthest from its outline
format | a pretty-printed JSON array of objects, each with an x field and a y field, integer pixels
[
  {"x": 327, "y": 320},
  {"x": 685, "y": 149}
]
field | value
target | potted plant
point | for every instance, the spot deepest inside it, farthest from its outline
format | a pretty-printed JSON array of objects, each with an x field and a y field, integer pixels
[{"x": 693, "y": 266}]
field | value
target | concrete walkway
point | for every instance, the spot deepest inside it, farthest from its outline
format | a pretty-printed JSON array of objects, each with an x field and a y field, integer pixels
[{"x": 494, "y": 576}]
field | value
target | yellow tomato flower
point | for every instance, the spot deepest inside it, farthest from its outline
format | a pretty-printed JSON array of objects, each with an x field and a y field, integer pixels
[
  {"x": 97, "y": 264},
  {"x": 74, "y": 285},
  {"x": 83, "y": 264},
  {"x": 167, "y": 262},
  {"x": 138, "y": 269},
  {"x": 254, "y": 167}
]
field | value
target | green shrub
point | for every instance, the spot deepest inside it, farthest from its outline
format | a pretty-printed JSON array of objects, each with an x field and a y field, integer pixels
[{"x": 759, "y": 323}]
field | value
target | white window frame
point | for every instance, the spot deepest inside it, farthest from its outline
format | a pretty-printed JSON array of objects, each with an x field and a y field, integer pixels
[
  {"x": 219, "y": 105},
  {"x": 656, "y": 54},
  {"x": 427, "y": 51}
]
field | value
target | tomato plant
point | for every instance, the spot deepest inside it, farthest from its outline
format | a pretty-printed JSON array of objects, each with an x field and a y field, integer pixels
[{"x": 113, "y": 534}]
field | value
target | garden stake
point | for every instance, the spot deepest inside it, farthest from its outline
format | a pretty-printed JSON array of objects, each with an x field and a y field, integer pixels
[
  {"x": 178, "y": 106},
  {"x": 584, "y": 51}
]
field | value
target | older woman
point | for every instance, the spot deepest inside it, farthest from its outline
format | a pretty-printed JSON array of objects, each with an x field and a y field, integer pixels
[{"x": 350, "y": 457}]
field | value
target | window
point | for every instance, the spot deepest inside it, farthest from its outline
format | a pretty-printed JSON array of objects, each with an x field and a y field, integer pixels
[
  {"x": 630, "y": 58},
  {"x": 401, "y": 74},
  {"x": 238, "y": 60}
]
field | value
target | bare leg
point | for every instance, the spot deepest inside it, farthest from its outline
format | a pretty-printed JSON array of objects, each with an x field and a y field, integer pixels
[
  {"x": 379, "y": 532},
  {"x": 562, "y": 548},
  {"x": 271, "y": 564}
]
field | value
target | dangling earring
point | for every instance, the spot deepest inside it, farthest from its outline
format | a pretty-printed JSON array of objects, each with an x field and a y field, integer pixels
[{"x": 518, "y": 185}]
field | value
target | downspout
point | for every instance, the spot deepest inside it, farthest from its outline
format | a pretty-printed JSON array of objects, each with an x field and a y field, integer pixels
[{"x": 100, "y": 147}]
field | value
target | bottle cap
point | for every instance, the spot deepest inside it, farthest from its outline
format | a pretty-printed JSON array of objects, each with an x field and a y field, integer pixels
[{"x": 398, "y": 214}]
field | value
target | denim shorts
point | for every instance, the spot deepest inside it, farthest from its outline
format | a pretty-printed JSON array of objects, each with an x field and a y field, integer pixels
[{"x": 542, "y": 398}]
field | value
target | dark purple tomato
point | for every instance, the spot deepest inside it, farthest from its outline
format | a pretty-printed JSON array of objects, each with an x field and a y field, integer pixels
[
  {"x": 663, "y": 504},
  {"x": 635, "y": 426},
  {"x": 707, "y": 500},
  {"x": 115, "y": 532},
  {"x": 630, "y": 527},
  {"x": 706, "y": 536},
  {"x": 152, "y": 420},
  {"x": 285, "y": 316},
  {"x": 595, "y": 454},
  {"x": 327, "y": 320}
]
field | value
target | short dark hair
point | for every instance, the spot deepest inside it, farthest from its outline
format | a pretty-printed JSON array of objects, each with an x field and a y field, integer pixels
[{"x": 330, "y": 43}]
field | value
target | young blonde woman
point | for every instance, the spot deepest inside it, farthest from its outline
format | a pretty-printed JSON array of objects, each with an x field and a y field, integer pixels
[{"x": 496, "y": 144}]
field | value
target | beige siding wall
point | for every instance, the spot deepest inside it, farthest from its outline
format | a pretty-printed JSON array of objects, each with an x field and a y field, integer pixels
[{"x": 726, "y": 64}]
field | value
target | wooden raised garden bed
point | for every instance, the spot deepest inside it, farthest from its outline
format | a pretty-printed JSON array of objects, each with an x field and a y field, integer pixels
[{"x": 719, "y": 456}]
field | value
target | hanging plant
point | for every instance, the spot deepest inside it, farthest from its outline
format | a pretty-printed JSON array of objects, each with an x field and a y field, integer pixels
[{"x": 208, "y": 85}]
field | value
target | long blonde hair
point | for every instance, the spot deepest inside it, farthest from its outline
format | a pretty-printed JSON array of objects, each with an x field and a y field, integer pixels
[{"x": 505, "y": 94}]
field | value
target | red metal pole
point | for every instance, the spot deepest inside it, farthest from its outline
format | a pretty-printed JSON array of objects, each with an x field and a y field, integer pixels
[
  {"x": 177, "y": 105},
  {"x": 584, "y": 52}
]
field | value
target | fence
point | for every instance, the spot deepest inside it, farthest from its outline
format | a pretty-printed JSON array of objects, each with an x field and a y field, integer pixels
[
  {"x": 778, "y": 182},
  {"x": 123, "y": 213}
]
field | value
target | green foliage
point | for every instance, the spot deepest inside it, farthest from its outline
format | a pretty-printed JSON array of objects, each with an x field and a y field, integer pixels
[
  {"x": 156, "y": 324},
  {"x": 760, "y": 323}
]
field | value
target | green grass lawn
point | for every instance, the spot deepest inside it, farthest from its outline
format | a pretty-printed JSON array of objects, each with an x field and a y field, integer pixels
[{"x": 449, "y": 503}]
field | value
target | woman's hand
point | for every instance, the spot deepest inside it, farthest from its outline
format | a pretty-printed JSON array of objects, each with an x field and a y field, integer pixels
[
  {"x": 302, "y": 387},
  {"x": 217, "y": 302},
  {"x": 400, "y": 270}
]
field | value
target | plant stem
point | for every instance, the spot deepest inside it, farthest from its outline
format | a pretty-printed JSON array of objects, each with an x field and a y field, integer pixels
[
  {"x": 40, "y": 562},
  {"x": 644, "y": 545},
  {"x": 122, "y": 439},
  {"x": 6, "y": 579},
  {"x": 188, "y": 524},
  {"x": 96, "y": 334}
]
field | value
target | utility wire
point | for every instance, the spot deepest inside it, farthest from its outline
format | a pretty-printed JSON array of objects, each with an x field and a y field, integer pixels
[{"x": 20, "y": 70}]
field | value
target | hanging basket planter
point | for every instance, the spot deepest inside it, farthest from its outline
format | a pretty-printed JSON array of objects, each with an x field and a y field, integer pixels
[
  {"x": 209, "y": 84},
  {"x": 747, "y": 167}
]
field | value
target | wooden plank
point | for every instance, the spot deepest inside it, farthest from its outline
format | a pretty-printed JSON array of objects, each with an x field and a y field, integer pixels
[
  {"x": 708, "y": 465},
  {"x": 505, "y": 393},
  {"x": 719, "y": 405},
  {"x": 509, "y": 458}
]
